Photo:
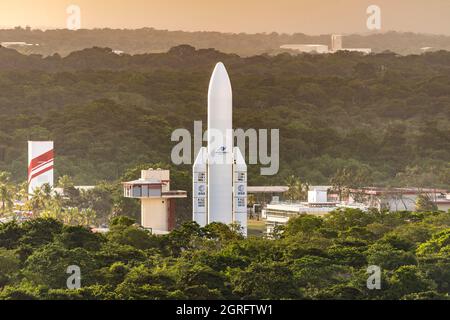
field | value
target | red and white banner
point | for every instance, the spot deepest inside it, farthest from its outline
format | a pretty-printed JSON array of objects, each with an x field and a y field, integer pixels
[{"x": 40, "y": 164}]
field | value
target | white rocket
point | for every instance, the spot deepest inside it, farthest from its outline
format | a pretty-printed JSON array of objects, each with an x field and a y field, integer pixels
[{"x": 220, "y": 172}]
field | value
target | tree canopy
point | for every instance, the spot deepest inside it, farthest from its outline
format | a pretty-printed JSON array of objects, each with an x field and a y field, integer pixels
[
  {"x": 313, "y": 258},
  {"x": 107, "y": 113}
]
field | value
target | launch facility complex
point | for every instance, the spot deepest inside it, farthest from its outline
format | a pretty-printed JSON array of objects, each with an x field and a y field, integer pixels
[{"x": 219, "y": 172}]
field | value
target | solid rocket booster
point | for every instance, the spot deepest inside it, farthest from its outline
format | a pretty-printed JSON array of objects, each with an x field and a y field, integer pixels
[
  {"x": 220, "y": 146},
  {"x": 200, "y": 187},
  {"x": 240, "y": 190},
  {"x": 219, "y": 171}
]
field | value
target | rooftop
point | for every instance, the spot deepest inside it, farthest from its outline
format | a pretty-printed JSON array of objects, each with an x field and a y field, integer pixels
[
  {"x": 145, "y": 182},
  {"x": 300, "y": 207},
  {"x": 405, "y": 191},
  {"x": 267, "y": 189}
]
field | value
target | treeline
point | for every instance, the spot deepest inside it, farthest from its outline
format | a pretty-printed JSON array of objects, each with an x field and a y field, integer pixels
[
  {"x": 149, "y": 40},
  {"x": 310, "y": 258}
]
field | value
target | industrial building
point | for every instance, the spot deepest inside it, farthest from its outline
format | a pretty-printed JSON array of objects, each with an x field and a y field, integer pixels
[
  {"x": 158, "y": 202},
  {"x": 306, "y": 48},
  {"x": 336, "y": 42},
  {"x": 398, "y": 199},
  {"x": 16, "y": 44},
  {"x": 320, "y": 202},
  {"x": 323, "y": 200},
  {"x": 336, "y": 46}
]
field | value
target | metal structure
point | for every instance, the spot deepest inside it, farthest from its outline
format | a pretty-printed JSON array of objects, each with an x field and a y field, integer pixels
[{"x": 40, "y": 164}]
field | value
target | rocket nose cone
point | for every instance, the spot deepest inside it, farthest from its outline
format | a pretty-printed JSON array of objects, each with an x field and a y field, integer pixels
[
  {"x": 220, "y": 68},
  {"x": 220, "y": 81}
]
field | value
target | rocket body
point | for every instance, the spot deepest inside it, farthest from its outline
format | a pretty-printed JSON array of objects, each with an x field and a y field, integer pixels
[
  {"x": 219, "y": 168},
  {"x": 220, "y": 146}
]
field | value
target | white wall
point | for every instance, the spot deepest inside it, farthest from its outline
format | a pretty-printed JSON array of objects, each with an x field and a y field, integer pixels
[
  {"x": 154, "y": 214},
  {"x": 317, "y": 196},
  {"x": 159, "y": 175}
]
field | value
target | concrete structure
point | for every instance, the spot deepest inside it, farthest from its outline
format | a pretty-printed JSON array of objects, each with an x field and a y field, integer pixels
[
  {"x": 260, "y": 196},
  {"x": 319, "y": 203},
  {"x": 443, "y": 202},
  {"x": 318, "y": 196},
  {"x": 361, "y": 50},
  {"x": 336, "y": 42},
  {"x": 429, "y": 49},
  {"x": 16, "y": 44},
  {"x": 336, "y": 45},
  {"x": 220, "y": 171},
  {"x": 397, "y": 199},
  {"x": 306, "y": 48},
  {"x": 271, "y": 190},
  {"x": 323, "y": 200},
  {"x": 279, "y": 213},
  {"x": 40, "y": 164},
  {"x": 157, "y": 200}
]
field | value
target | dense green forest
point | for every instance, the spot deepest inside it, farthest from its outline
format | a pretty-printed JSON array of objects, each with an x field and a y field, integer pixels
[
  {"x": 311, "y": 258},
  {"x": 149, "y": 40},
  {"x": 383, "y": 119},
  {"x": 385, "y": 114}
]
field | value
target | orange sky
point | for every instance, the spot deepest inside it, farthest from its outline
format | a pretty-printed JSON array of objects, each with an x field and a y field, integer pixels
[{"x": 307, "y": 16}]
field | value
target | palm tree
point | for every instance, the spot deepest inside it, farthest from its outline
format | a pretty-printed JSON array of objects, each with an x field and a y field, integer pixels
[
  {"x": 38, "y": 201},
  {"x": 297, "y": 190},
  {"x": 340, "y": 181},
  {"x": 44, "y": 200},
  {"x": 21, "y": 191},
  {"x": 6, "y": 192},
  {"x": 65, "y": 182},
  {"x": 88, "y": 217},
  {"x": 47, "y": 191},
  {"x": 75, "y": 216}
]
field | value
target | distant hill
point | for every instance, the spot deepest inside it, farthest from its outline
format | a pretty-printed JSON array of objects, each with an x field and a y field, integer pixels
[
  {"x": 383, "y": 113},
  {"x": 149, "y": 40}
]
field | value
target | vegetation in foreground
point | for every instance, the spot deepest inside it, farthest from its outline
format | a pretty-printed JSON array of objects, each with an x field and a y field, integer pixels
[{"x": 311, "y": 258}]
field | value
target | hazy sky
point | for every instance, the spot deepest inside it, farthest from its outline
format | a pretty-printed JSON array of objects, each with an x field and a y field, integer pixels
[{"x": 307, "y": 16}]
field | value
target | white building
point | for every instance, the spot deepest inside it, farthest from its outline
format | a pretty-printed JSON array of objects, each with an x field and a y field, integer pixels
[
  {"x": 428, "y": 49},
  {"x": 16, "y": 44},
  {"x": 336, "y": 45},
  {"x": 158, "y": 202},
  {"x": 320, "y": 203},
  {"x": 361, "y": 50},
  {"x": 443, "y": 202},
  {"x": 398, "y": 199},
  {"x": 318, "y": 195},
  {"x": 336, "y": 42},
  {"x": 306, "y": 48}
]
